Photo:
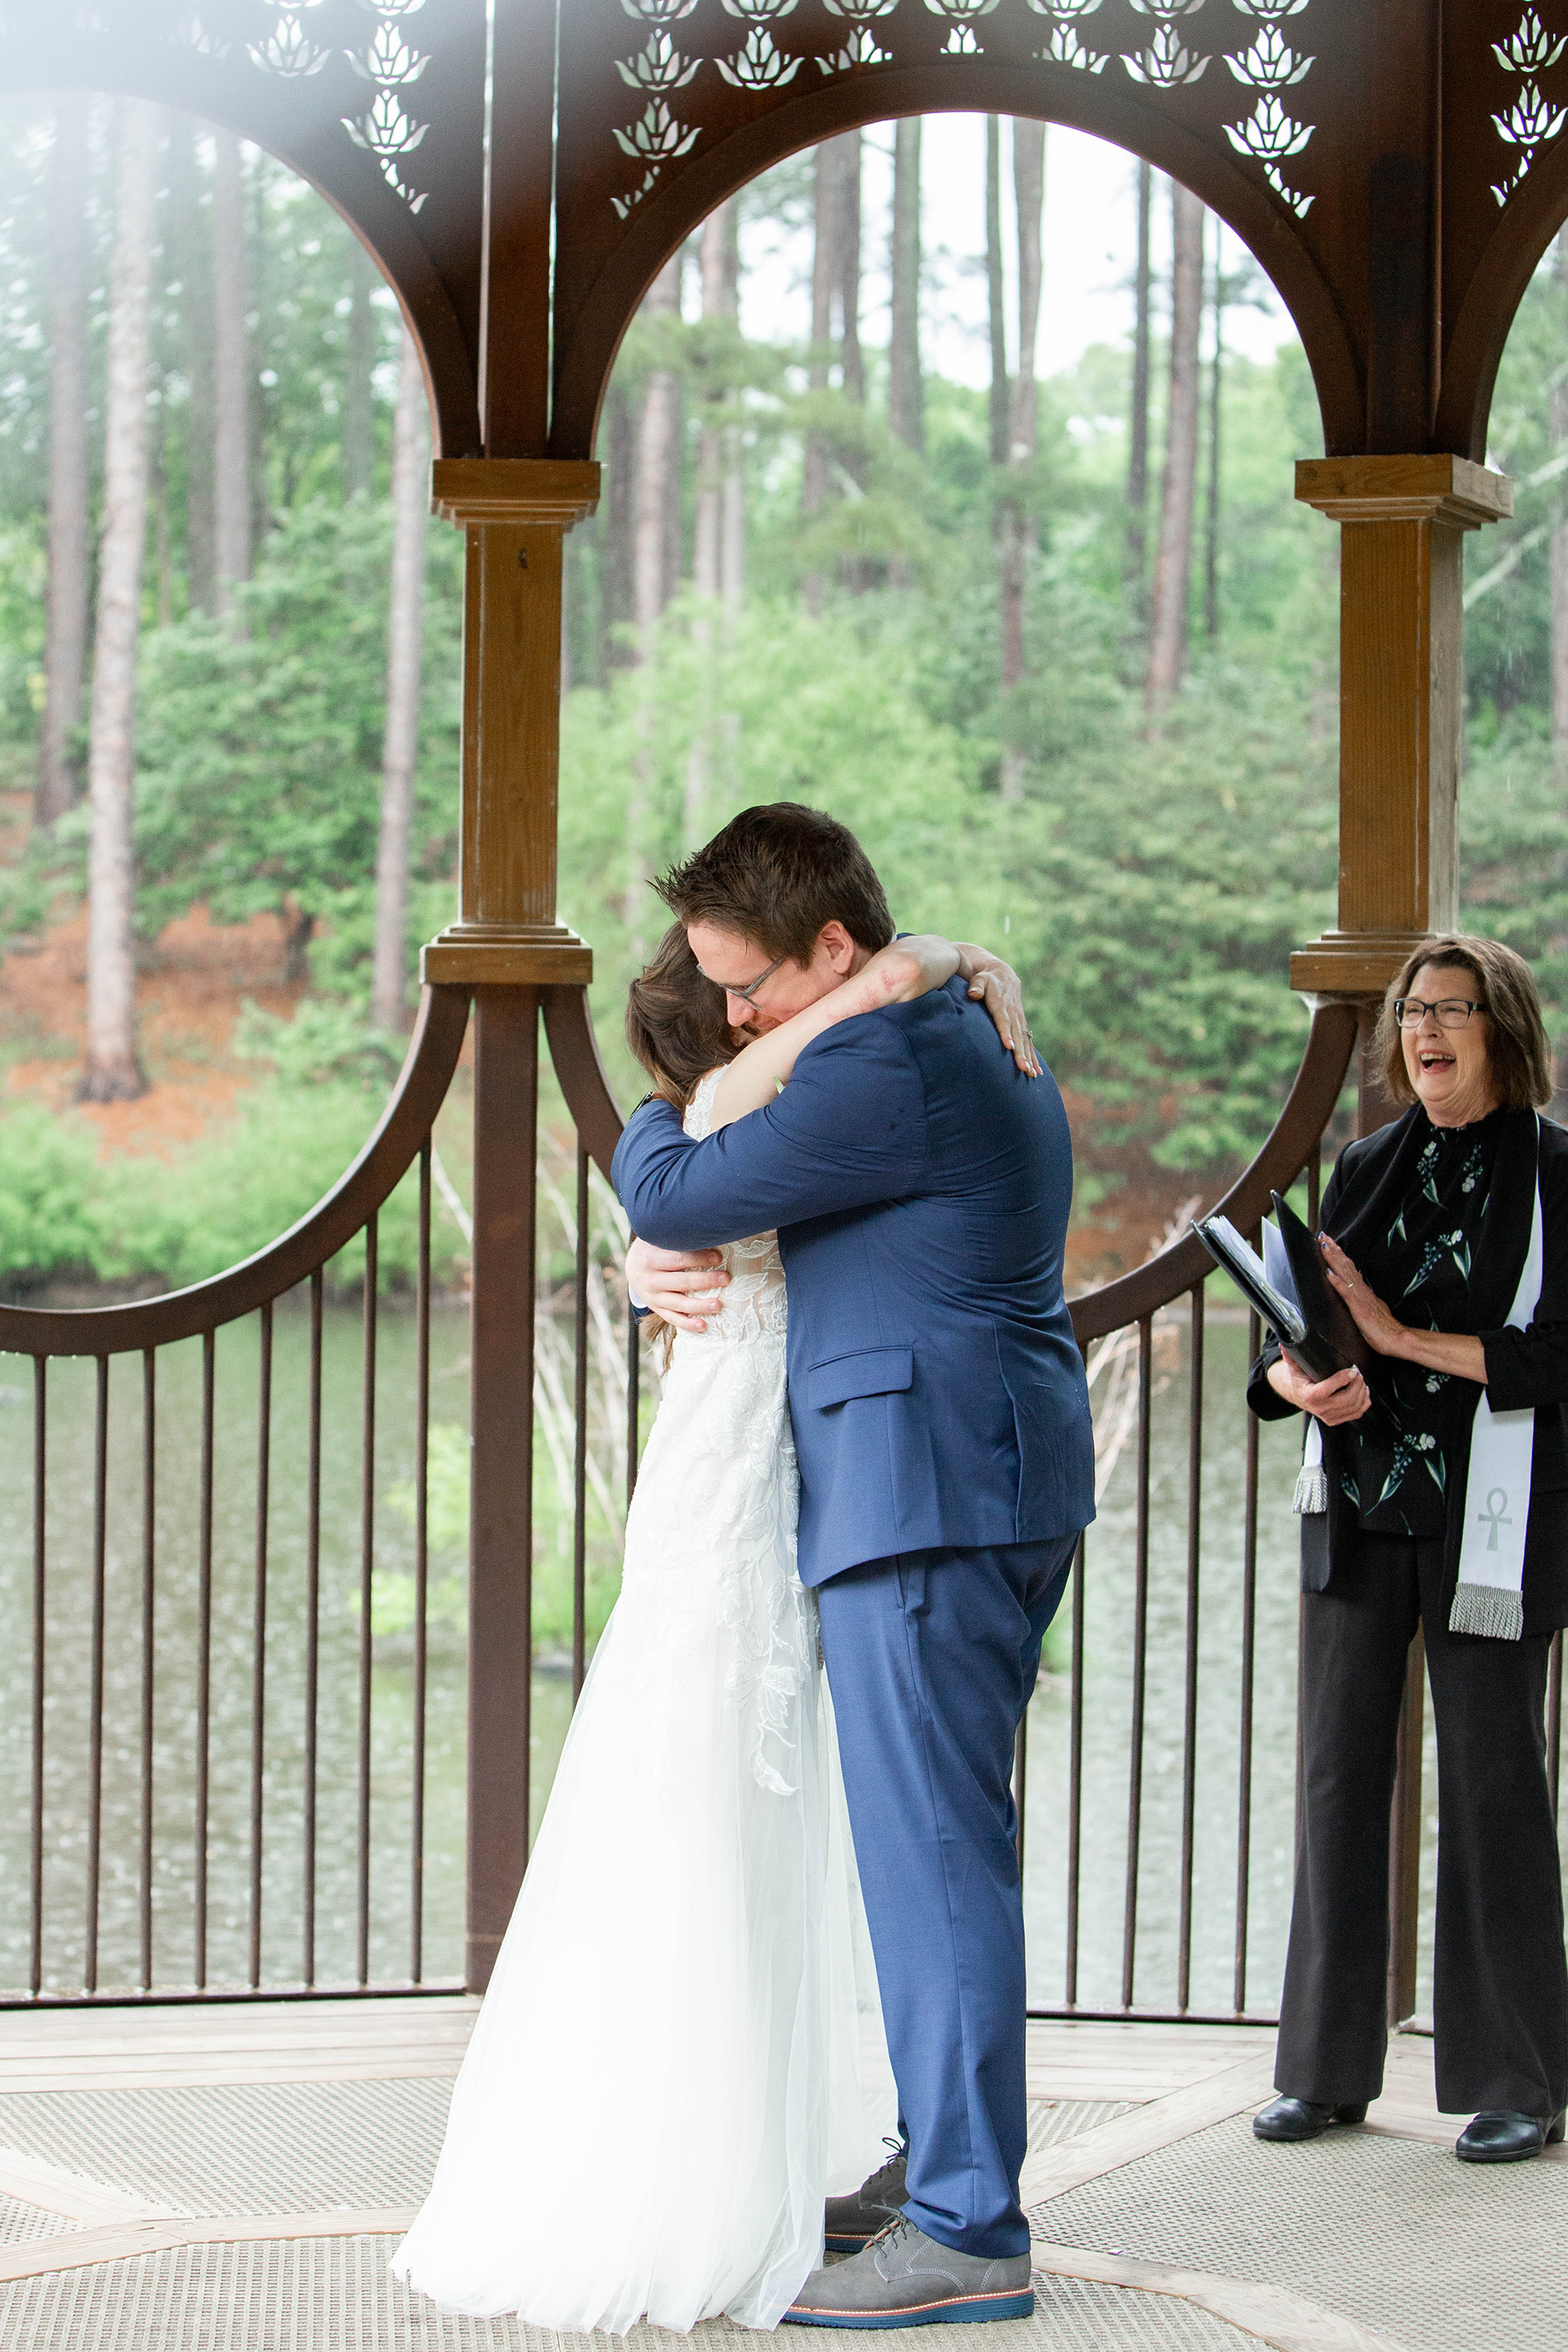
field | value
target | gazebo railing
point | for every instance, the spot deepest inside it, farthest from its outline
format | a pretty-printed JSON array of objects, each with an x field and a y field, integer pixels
[
  {"x": 135, "y": 1339},
  {"x": 1141, "y": 1808}
]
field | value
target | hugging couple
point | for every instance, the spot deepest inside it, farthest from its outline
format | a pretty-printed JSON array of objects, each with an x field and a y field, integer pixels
[{"x": 772, "y": 1926}]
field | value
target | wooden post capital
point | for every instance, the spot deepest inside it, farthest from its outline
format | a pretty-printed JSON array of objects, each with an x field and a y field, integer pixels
[
  {"x": 1401, "y": 664},
  {"x": 480, "y": 490},
  {"x": 1434, "y": 487}
]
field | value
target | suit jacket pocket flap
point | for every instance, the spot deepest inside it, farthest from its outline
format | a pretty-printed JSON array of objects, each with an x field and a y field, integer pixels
[{"x": 871, "y": 1372}]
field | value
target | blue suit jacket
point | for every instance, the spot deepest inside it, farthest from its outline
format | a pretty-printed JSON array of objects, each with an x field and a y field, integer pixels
[{"x": 921, "y": 1188}]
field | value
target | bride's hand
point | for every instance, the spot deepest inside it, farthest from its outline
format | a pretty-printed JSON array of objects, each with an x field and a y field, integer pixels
[{"x": 996, "y": 985}]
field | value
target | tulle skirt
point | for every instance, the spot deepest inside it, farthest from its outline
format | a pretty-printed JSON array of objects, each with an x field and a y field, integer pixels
[{"x": 680, "y": 2052}]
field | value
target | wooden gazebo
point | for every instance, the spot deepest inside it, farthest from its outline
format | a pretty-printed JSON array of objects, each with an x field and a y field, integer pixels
[{"x": 1397, "y": 166}]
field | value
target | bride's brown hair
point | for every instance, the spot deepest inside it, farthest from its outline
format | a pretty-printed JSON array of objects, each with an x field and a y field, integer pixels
[{"x": 675, "y": 1021}]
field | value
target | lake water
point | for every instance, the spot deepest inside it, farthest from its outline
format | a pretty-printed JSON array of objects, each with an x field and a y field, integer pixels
[{"x": 1108, "y": 1604}]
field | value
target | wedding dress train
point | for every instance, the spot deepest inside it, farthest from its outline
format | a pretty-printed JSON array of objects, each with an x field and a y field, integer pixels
[{"x": 680, "y": 2052}]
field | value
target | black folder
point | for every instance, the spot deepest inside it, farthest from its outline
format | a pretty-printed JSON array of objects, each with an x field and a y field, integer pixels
[{"x": 1310, "y": 1319}]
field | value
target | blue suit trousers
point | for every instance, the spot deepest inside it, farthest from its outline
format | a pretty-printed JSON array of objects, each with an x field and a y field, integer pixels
[{"x": 931, "y": 1657}]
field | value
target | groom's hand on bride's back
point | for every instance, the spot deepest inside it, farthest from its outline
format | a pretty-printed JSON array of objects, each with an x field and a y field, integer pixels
[{"x": 681, "y": 1286}]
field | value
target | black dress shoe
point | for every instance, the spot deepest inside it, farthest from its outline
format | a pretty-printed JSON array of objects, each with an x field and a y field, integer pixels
[
  {"x": 850, "y": 2222},
  {"x": 1497, "y": 2136},
  {"x": 1285, "y": 2118}
]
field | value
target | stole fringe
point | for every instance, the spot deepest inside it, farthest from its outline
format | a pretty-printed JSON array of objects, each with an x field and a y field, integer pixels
[
  {"x": 1312, "y": 1491},
  {"x": 1483, "y": 1609}
]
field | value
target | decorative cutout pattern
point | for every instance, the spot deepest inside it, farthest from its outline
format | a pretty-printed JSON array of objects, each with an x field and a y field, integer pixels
[
  {"x": 1531, "y": 120},
  {"x": 1265, "y": 61},
  {"x": 190, "y": 33},
  {"x": 862, "y": 48},
  {"x": 962, "y": 16},
  {"x": 758, "y": 66},
  {"x": 389, "y": 63},
  {"x": 1065, "y": 48},
  {"x": 657, "y": 136},
  {"x": 287, "y": 49},
  {"x": 1269, "y": 65}
]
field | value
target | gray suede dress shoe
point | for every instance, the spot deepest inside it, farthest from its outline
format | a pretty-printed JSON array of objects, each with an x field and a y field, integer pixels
[
  {"x": 852, "y": 2221},
  {"x": 904, "y": 2279}
]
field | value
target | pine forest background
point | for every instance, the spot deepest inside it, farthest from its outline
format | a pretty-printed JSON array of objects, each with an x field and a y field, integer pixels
[{"x": 1061, "y": 649}]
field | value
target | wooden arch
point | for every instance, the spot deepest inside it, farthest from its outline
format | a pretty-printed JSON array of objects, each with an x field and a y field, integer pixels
[
  {"x": 591, "y": 324},
  {"x": 1397, "y": 166}
]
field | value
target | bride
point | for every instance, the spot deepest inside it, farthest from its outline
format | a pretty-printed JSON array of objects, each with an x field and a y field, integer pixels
[{"x": 681, "y": 2054}]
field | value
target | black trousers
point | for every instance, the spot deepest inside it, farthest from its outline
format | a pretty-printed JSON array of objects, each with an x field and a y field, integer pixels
[{"x": 1501, "y": 1990}]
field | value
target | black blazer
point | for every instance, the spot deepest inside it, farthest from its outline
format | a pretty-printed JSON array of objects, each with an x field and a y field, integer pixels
[{"x": 1523, "y": 1367}]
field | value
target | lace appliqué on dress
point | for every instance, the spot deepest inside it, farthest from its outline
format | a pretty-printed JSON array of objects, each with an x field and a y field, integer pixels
[{"x": 744, "y": 1512}]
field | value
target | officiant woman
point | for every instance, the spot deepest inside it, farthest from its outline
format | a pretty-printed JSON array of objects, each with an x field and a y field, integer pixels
[{"x": 1449, "y": 1510}]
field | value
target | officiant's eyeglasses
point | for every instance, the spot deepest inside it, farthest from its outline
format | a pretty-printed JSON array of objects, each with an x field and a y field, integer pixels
[{"x": 1452, "y": 1011}]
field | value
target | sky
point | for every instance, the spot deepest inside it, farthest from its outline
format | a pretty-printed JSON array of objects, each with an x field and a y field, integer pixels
[{"x": 1089, "y": 249}]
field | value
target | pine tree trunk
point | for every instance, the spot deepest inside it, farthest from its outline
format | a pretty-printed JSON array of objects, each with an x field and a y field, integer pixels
[
  {"x": 400, "y": 744},
  {"x": 657, "y": 475},
  {"x": 113, "y": 1073},
  {"x": 708, "y": 521},
  {"x": 1560, "y": 535},
  {"x": 658, "y": 487},
  {"x": 1137, "y": 559},
  {"x": 190, "y": 228},
  {"x": 64, "y": 654},
  {"x": 853, "y": 364},
  {"x": 616, "y": 603},
  {"x": 719, "y": 293},
  {"x": 826, "y": 280},
  {"x": 231, "y": 373},
  {"x": 1211, "y": 521},
  {"x": 906, "y": 389},
  {"x": 1001, "y": 399},
  {"x": 733, "y": 455},
  {"x": 1029, "y": 195},
  {"x": 1173, "y": 557},
  {"x": 359, "y": 371}
]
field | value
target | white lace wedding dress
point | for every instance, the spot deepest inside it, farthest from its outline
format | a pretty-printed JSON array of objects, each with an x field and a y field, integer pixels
[{"x": 680, "y": 2053}]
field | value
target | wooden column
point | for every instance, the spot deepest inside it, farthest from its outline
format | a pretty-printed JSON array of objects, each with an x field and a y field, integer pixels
[
  {"x": 1401, "y": 701},
  {"x": 506, "y": 946},
  {"x": 1403, "y": 521}
]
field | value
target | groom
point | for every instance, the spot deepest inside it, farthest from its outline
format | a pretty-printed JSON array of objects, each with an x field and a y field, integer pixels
[{"x": 921, "y": 1184}]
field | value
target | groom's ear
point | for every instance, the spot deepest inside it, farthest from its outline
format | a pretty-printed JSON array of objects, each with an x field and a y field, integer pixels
[{"x": 834, "y": 941}]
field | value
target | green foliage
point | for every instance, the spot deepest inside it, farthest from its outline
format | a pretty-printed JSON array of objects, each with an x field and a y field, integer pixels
[
  {"x": 1150, "y": 888},
  {"x": 207, "y": 1205},
  {"x": 280, "y": 727}
]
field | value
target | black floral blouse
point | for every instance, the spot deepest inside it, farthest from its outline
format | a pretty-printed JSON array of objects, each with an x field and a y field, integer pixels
[{"x": 1396, "y": 1480}]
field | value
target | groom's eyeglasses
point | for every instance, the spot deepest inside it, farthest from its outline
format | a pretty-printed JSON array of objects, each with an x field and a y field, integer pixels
[{"x": 751, "y": 986}]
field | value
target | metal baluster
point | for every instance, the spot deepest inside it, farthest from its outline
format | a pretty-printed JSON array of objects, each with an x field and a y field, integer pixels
[
  {"x": 421, "y": 1567},
  {"x": 1139, "y": 1664},
  {"x": 1074, "y": 1772},
  {"x": 259, "y": 1636},
  {"x": 312, "y": 1637},
  {"x": 1190, "y": 1679},
  {"x": 634, "y": 1402},
  {"x": 367, "y": 1567},
  {"x": 1248, "y": 1650},
  {"x": 1554, "y": 1716},
  {"x": 95, "y": 1721},
  {"x": 204, "y": 1660},
  {"x": 148, "y": 1542},
  {"x": 40, "y": 1526},
  {"x": 580, "y": 1454}
]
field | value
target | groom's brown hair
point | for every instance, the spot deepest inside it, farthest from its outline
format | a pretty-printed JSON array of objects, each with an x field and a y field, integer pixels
[{"x": 776, "y": 874}]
